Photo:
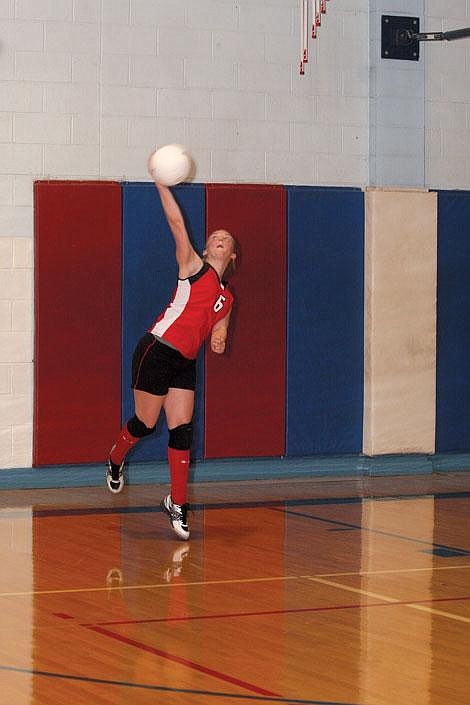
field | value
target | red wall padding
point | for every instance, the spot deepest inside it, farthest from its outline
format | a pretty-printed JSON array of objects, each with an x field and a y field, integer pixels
[
  {"x": 78, "y": 320},
  {"x": 245, "y": 387}
]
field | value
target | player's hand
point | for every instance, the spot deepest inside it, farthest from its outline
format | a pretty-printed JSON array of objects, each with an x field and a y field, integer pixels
[
  {"x": 218, "y": 344},
  {"x": 148, "y": 165}
]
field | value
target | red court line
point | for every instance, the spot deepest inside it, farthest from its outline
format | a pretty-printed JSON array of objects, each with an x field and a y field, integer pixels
[
  {"x": 228, "y": 615},
  {"x": 62, "y": 615},
  {"x": 184, "y": 662}
]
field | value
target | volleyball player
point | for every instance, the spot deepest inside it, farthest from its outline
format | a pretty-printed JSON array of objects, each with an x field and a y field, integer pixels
[{"x": 164, "y": 360}]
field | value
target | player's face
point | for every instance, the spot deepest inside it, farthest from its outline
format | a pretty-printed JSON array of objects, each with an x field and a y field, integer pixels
[{"x": 220, "y": 243}]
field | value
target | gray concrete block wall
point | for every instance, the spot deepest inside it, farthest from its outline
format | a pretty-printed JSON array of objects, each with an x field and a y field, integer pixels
[{"x": 88, "y": 87}]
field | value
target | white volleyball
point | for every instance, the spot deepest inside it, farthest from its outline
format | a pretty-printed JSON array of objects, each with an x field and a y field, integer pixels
[{"x": 170, "y": 165}]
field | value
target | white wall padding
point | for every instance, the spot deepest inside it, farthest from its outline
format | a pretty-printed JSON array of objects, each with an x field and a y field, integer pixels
[{"x": 400, "y": 321}]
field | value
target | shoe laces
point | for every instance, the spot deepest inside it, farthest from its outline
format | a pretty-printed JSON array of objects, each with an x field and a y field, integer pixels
[
  {"x": 179, "y": 512},
  {"x": 116, "y": 471}
]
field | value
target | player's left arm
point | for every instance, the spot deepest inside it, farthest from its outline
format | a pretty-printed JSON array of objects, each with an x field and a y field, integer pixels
[{"x": 219, "y": 335}]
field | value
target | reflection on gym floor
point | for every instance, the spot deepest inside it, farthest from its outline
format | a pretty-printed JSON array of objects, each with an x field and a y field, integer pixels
[{"x": 341, "y": 591}]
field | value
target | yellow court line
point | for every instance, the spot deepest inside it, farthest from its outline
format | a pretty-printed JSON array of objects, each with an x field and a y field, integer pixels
[
  {"x": 450, "y": 615},
  {"x": 392, "y": 570},
  {"x": 146, "y": 587},
  {"x": 391, "y": 600},
  {"x": 233, "y": 581},
  {"x": 368, "y": 593}
]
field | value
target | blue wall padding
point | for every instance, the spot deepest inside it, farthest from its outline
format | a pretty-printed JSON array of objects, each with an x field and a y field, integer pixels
[
  {"x": 325, "y": 339},
  {"x": 453, "y": 322},
  {"x": 148, "y": 280}
]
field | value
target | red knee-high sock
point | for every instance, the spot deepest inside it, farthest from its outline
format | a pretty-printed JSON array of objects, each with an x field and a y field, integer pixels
[
  {"x": 178, "y": 461},
  {"x": 124, "y": 443}
]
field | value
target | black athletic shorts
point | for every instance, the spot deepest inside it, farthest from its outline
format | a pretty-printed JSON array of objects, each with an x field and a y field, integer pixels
[{"x": 156, "y": 367}]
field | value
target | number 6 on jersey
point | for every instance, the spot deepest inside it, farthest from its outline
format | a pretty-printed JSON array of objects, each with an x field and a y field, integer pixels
[{"x": 219, "y": 304}]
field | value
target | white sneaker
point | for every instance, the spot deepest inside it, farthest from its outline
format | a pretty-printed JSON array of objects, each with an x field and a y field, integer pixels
[
  {"x": 178, "y": 514},
  {"x": 115, "y": 477}
]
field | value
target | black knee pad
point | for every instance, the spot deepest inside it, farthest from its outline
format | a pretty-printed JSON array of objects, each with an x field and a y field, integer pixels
[
  {"x": 181, "y": 437},
  {"x": 138, "y": 429}
]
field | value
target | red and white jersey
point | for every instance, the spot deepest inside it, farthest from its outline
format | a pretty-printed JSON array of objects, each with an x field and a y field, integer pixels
[{"x": 198, "y": 303}]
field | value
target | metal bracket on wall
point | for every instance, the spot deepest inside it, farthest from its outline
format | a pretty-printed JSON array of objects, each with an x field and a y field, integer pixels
[
  {"x": 398, "y": 40},
  {"x": 401, "y": 37}
]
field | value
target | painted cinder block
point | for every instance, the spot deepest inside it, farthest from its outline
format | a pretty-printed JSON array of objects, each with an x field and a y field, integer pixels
[
  {"x": 267, "y": 18},
  {"x": 240, "y": 105},
  {"x": 211, "y": 15},
  {"x": 15, "y": 347},
  {"x": 22, "y": 158},
  {"x": 77, "y": 160},
  {"x": 22, "y": 378},
  {"x": 85, "y": 68},
  {"x": 243, "y": 166},
  {"x": 235, "y": 46},
  {"x": 23, "y": 255},
  {"x": 40, "y": 128},
  {"x": 15, "y": 221},
  {"x": 16, "y": 284},
  {"x": 6, "y": 128},
  {"x": 164, "y": 13},
  {"x": 21, "y": 435},
  {"x": 43, "y": 10},
  {"x": 143, "y": 70},
  {"x": 211, "y": 74},
  {"x": 128, "y": 100},
  {"x": 291, "y": 167},
  {"x": 40, "y": 66},
  {"x": 186, "y": 43},
  {"x": 5, "y": 315},
  {"x": 5, "y": 375},
  {"x": 86, "y": 11},
  {"x": 121, "y": 39},
  {"x": 173, "y": 102},
  {"x": 22, "y": 316},
  {"x": 79, "y": 38},
  {"x": 60, "y": 98},
  {"x": 85, "y": 130},
  {"x": 24, "y": 35},
  {"x": 272, "y": 78}
]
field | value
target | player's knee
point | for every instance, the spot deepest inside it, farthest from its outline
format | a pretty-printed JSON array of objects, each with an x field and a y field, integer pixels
[
  {"x": 138, "y": 429},
  {"x": 181, "y": 437}
]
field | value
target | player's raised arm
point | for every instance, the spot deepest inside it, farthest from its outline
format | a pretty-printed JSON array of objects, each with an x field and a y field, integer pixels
[{"x": 189, "y": 261}]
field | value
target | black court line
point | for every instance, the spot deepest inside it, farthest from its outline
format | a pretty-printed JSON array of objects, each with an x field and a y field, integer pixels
[
  {"x": 196, "y": 507},
  {"x": 381, "y": 532},
  {"x": 275, "y": 505},
  {"x": 160, "y": 688},
  {"x": 255, "y": 504}
]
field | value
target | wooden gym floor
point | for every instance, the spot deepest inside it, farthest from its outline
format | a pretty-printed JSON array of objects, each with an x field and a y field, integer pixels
[{"x": 345, "y": 591}]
